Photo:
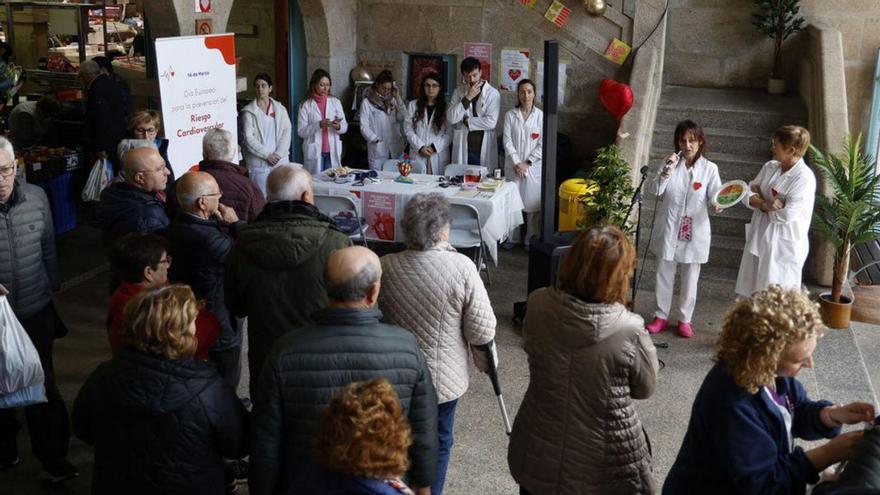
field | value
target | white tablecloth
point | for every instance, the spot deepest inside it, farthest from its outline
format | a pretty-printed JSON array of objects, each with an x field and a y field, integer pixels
[{"x": 500, "y": 211}]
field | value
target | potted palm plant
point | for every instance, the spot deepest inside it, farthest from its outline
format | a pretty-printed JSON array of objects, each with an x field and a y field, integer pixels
[
  {"x": 778, "y": 19},
  {"x": 851, "y": 216}
]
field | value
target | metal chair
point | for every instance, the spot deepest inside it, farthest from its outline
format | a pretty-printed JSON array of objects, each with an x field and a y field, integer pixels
[
  {"x": 334, "y": 205},
  {"x": 390, "y": 165},
  {"x": 465, "y": 233},
  {"x": 455, "y": 169}
]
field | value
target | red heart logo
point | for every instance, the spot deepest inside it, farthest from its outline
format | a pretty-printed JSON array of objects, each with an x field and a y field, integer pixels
[
  {"x": 616, "y": 97},
  {"x": 535, "y": 135},
  {"x": 172, "y": 73},
  {"x": 775, "y": 192},
  {"x": 514, "y": 74},
  {"x": 697, "y": 186}
]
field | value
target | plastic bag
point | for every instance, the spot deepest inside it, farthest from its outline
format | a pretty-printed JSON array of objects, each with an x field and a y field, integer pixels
[
  {"x": 21, "y": 373},
  {"x": 99, "y": 178}
]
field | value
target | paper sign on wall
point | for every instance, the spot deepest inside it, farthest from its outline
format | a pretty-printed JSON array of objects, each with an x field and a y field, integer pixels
[
  {"x": 379, "y": 211},
  {"x": 204, "y": 26},
  {"x": 539, "y": 81},
  {"x": 529, "y": 3},
  {"x": 483, "y": 53},
  {"x": 617, "y": 51},
  {"x": 557, "y": 13},
  {"x": 202, "y": 6},
  {"x": 197, "y": 87},
  {"x": 514, "y": 68}
]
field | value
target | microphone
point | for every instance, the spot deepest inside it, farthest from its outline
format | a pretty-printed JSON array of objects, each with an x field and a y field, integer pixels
[{"x": 670, "y": 163}]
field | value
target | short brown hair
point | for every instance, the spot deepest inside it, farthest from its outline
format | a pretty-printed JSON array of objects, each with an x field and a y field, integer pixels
[
  {"x": 144, "y": 117},
  {"x": 157, "y": 321},
  {"x": 363, "y": 432},
  {"x": 793, "y": 136},
  {"x": 758, "y": 329},
  {"x": 598, "y": 265}
]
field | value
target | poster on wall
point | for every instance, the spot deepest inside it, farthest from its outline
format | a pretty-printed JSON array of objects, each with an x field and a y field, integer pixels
[
  {"x": 483, "y": 53},
  {"x": 514, "y": 68},
  {"x": 419, "y": 65},
  {"x": 379, "y": 213},
  {"x": 197, "y": 88},
  {"x": 204, "y": 26},
  {"x": 202, "y": 6},
  {"x": 539, "y": 80}
]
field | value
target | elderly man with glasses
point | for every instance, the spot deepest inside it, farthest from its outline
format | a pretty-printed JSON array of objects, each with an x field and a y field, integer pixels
[{"x": 29, "y": 276}]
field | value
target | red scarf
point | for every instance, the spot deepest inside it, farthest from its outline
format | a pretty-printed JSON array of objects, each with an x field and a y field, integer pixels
[{"x": 321, "y": 100}]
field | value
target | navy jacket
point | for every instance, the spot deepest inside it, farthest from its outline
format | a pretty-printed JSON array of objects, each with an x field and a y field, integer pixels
[
  {"x": 736, "y": 441},
  {"x": 125, "y": 208},
  {"x": 314, "y": 479},
  {"x": 200, "y": 250}
]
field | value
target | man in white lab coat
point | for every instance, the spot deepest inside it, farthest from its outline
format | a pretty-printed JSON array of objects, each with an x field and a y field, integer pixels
[{"x": 473, "y": 114}]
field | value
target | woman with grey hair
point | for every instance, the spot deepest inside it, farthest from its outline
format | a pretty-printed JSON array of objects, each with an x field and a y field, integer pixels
[{"x": 437, "y": 294}]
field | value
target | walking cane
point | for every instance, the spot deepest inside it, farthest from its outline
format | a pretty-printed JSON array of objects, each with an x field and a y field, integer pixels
[{"x": 493, "y": 375}]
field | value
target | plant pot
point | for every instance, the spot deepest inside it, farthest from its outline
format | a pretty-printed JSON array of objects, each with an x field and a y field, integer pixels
[
  {"x": 835, "y": 315},
  {"x": 776, "y": 86}
]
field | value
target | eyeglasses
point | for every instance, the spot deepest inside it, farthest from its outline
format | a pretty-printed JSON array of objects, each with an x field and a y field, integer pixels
[
  {"x": 218, "y": 194},
  {"x": 7, "y": 171},
  {"x": 167, "y": 261},
  {"x": 145, "y": 130}
]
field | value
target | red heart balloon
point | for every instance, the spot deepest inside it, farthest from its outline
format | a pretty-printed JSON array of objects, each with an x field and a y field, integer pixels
[{"x": 616, "y": 97}]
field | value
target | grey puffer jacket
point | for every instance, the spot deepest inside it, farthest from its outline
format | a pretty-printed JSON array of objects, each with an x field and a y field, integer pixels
[
  {"x": 28, "y": 264},
  {"x": 577, "y": 431}
]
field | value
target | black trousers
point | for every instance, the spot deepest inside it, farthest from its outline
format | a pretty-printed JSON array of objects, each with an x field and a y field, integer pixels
[
  {"x": 48, "y": 422},
  {"x": 523, "y": 491},
  {"x": 228, "y": 362}
]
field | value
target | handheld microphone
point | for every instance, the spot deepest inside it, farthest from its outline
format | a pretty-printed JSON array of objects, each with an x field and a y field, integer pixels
[{"x": 670, "y": 163}]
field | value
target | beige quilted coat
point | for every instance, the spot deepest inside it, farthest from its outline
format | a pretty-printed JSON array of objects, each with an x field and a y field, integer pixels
[
  {"x": 438, "y": 295},
  {"x": 577, "y": 431}
]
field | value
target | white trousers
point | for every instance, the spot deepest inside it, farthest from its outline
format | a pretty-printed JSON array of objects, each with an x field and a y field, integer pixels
[
  {"x": 259, "y": 176},
  {"x": 533, "y": 224},
  {"x": 687, "y": 297}
]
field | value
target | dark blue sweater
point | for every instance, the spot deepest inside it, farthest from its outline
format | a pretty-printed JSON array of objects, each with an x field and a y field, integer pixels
[{"x": 736, "y": 442}]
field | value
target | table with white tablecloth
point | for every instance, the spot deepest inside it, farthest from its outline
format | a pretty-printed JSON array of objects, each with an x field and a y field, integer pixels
[{"x": 500, "y": 210}]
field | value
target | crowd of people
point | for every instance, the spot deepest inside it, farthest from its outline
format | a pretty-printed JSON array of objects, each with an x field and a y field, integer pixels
[{"x": 356, "y": 371}]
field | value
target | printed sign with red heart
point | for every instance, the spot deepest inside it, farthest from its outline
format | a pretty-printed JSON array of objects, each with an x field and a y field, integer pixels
[
  {"x": 514, "y": 74},
  {"x": 616, "y": 97},
  {"x": 697, "y": 186},
  {"x": 535, "y": 135}
]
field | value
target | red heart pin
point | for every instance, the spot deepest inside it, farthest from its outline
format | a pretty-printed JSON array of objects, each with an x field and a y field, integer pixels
[
  {"x": 775, "y": 192},
  {"x": 697, "y": 186},
  {"x": 535, "y": 135},
  {"x": 514, "y": 74},
  {"x": 616, "y": 97}
]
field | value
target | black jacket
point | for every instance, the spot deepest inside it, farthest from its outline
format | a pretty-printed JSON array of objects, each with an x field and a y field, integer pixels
[
  {"x": 106, "y": 118},
  {"x": 200, "y": 250},
  {"x": 125, "y": 208},
  {"x": 159, "y": 426},
  {"x": 307, "y": 366}
]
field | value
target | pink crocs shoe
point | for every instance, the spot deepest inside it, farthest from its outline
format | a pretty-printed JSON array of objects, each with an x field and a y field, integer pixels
[
  {"x": 656, "y": 326},
  {"x": 685, "y": 330}
]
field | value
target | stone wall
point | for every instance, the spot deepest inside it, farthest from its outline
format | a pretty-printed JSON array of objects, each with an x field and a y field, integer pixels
[
  {"x": 257, "y": 50},
  {"x": 712, "y": 43},
  {"x": 443, "y": 26}
]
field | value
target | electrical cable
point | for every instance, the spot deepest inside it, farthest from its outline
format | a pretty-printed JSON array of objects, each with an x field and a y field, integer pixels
[{"x": 659, "y": 21}]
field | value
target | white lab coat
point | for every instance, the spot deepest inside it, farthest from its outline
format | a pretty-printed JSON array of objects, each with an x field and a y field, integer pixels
[
  {"x": 776, "y": 243},
  {"x": 309, "y": 129},
  {"x": 423, "y": 133},
  {"x": 685, "y": 194},
  {"x": 376, "y": 124},
  {"x": 488, "y": 112},
  {"x": 255, "y": 146},
  {"x": 523, "y": 139}
]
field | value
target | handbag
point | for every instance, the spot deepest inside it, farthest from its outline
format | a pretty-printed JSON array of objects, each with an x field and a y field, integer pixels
[
  {"x": 99, "y": 178},
  {"x": 21, "y": 373}
]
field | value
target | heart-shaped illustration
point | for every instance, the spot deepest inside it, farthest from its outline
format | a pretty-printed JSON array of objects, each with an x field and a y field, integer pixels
[
  {"x": 697, "y": 186},
  {"x": 774, "y": 192},
  {"x": 535, "y": 135},
  {"x": 616, "y": 97},
  {"x": 514, "y": 74}
]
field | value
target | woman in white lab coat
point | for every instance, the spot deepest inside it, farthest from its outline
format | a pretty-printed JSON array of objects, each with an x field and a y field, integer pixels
[
  {"x": 425, "y": 127},
  {"x": 320, "y": 123},
  {"x": 474, "y": 109},
  {"x": 781, "y": 197},
  {"x": 523, "y": 138},
  {"x": 381, "y": 120},
  {"x": 265, "y": 131},
  {"x": 682, "y": 234}
]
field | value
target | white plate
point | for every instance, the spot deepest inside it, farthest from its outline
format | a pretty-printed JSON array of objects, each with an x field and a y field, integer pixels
[{"x": 745, "y": 192}]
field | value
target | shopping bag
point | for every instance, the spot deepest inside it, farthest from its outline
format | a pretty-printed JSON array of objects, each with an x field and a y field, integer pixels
[
  {"x": 21, "y": 373},
  {"x": 99, "y": 178}
]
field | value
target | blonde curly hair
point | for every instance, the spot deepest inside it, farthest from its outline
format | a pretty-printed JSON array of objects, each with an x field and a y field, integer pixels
[
  {"x": 157, "y": 321},
  {"x": 758, "y": 329},
  {"x": 363, "y": 432}
]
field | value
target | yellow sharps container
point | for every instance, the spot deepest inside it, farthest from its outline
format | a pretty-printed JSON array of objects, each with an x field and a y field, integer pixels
[{"x": 571, "y": 206}]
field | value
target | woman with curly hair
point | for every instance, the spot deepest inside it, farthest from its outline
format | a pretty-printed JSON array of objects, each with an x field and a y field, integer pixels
[
  {"x": 361, "y": 444},
  {"x": 161, "y": 422},
  {"x": 750, "y": 407}
]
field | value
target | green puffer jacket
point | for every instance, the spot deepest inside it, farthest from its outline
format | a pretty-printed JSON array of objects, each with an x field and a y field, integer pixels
[{"x": 275, "y": 275}]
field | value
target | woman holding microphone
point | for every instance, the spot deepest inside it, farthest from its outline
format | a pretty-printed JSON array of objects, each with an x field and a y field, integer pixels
[
  {"x": 382, "y": 116},
  {"x": 682, "y": 232},
  {"x": 523, "y": 129},
  {"x": 426, "y": 129},
  {"x": 781, "y": 197},
  {"x": 320, "y": 122}
]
